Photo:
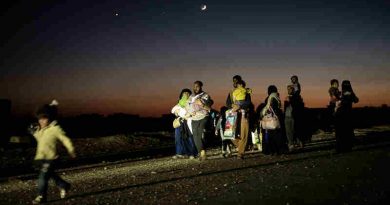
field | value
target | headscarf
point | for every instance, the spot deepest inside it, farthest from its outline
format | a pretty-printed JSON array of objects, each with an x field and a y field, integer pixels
[{"x": 183, "y": 101}]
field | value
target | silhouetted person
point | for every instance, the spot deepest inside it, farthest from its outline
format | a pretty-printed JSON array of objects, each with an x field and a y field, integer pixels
[
  {"x": 5, "y": 119},
  {"x": 334, "y": 96},
  {"x": 296, "y": 85},
  {"x": 288, "y": 118},
  {"x": 343, "y": 118},
  {"x": 294, "y": 118}
]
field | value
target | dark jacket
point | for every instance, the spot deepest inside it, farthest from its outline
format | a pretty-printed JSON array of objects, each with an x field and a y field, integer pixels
[
  {"x": 297, "y": 105},
  {"x": 347, "y": 99}
]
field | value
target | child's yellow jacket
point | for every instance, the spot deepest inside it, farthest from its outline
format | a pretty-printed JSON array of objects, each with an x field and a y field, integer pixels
[{"x": 47, "y": 139}]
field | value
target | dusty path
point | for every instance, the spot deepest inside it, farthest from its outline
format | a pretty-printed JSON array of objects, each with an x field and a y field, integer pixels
[{"x": 315, "y": 177}]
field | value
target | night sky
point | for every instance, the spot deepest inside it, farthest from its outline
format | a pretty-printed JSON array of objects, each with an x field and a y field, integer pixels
[{"x": 134, "y": 56}]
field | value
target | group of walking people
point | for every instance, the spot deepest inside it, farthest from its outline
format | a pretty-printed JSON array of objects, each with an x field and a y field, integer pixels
[
  {"x": 274, "y": 130},
  {"x": 270, "y": 128},
  {"x": 193, "y": 111}
]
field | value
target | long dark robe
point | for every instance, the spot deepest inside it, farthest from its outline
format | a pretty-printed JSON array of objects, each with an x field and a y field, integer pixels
[
  {"x": 343, "y": 123},
  {"x": 187, "y": 140},
  {"x": 276, "y": 140}
]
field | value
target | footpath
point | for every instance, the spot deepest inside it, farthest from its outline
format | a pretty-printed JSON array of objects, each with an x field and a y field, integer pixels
[{"x": 317, "y": 176}]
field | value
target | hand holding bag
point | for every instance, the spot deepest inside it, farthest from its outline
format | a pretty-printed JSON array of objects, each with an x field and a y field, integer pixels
[
  {"x": 230, "y": 125},
  {"x": 270, "y": 121},
  {"x": 177, "y": 122}
]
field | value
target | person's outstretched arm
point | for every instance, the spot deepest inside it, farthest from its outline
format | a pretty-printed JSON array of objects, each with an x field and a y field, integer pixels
[{"x": 65, "y": 141}]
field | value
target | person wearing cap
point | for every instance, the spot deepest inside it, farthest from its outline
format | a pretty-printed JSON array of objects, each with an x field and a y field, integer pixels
[{"x": 47, "y": 134}]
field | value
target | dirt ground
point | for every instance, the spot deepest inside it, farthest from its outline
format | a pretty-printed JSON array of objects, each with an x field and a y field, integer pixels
[
  {"x": 86, "y": 148},
  {"x": 314, "y": 177}
]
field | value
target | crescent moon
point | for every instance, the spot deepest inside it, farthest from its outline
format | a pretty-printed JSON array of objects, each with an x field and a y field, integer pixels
[{"x": 204, "y": 7}]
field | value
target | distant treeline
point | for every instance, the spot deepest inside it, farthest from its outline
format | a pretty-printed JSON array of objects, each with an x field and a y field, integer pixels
[
  {"x": 95, "y": 125},
  {"x": 362, "y": 117}
]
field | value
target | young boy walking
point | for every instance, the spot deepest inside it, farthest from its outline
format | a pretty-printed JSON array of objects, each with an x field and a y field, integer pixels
[{"x": 47, "y": 134}]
